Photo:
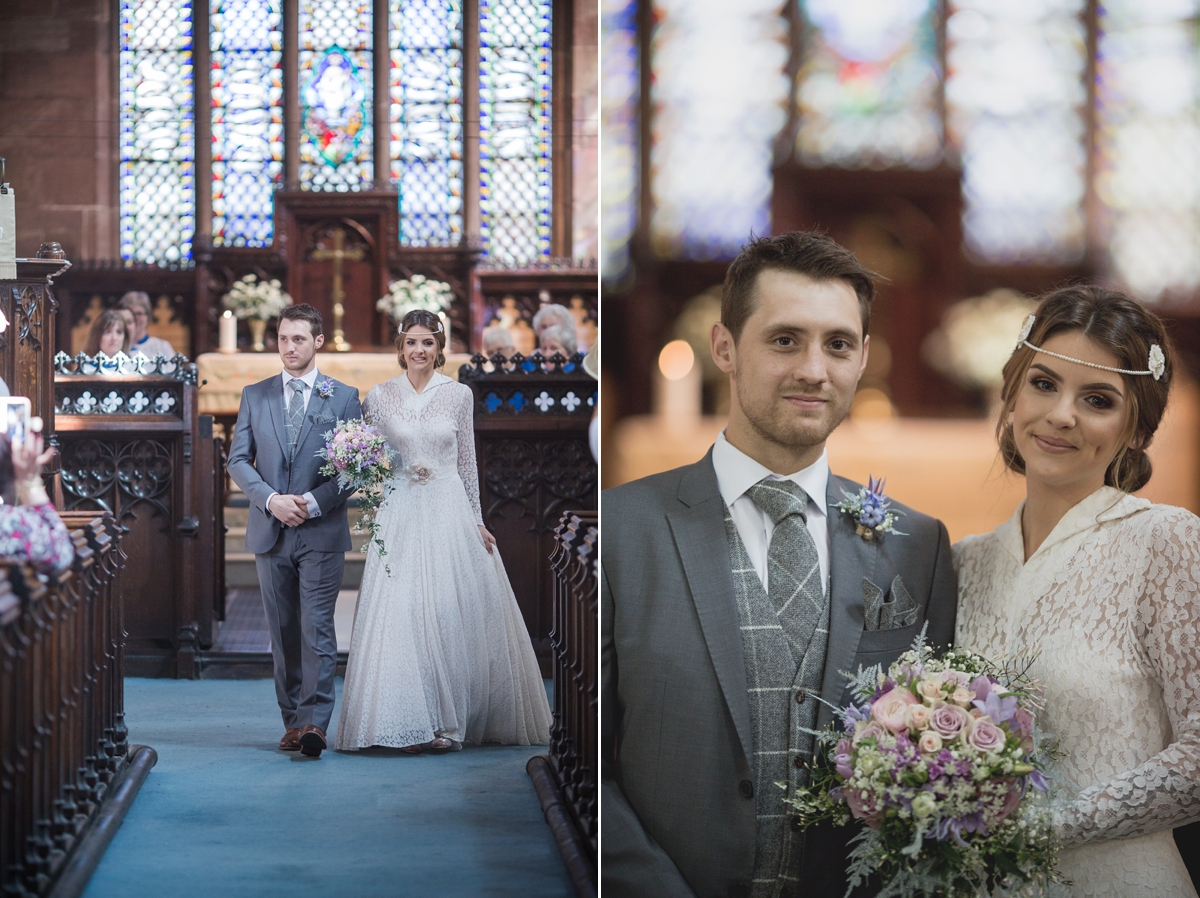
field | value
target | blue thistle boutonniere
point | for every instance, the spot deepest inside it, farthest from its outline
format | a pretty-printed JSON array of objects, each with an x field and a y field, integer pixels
[
  {"x": 871, "y": 510},
  {"x": 325, "y": 388}
]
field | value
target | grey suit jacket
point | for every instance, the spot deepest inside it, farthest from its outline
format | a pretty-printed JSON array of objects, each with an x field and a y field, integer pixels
[
  {"x": 258, "y": 463},
  {"x": 675, "y": 720}
]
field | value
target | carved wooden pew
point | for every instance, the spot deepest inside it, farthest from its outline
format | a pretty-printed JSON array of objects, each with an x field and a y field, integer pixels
[
  {"x": 531, "y": 442},
  {"x": 63, "y": 740},
  {"x": 134, "y": 444},
  {"x": 566, "y": 779}
]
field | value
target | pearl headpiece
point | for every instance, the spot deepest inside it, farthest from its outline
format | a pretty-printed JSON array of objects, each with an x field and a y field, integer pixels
[{"x": 1156, "y": 364}]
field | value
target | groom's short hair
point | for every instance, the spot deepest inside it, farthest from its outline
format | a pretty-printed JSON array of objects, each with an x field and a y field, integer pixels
[
  {"x": 809, "y": 253},
  {"x": 304, "y": 312}
]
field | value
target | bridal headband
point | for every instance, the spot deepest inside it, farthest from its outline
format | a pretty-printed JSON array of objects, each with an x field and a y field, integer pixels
[
  {"x": 1156, "y": 364},
  {"x": 438, "y": 331}
]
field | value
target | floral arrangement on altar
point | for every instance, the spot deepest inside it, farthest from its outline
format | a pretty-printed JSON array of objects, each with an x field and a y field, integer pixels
[
  {"x": 358, "y": 456},
  {"x": 939, "y": 758},
  {"x": 419, "y": 292},
  {"x": 975, "y": 338},
  {"x": 255, "y": 299}
]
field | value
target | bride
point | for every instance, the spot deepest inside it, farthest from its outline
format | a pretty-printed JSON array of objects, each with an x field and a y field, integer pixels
[
  {"x": 439, "y": 654},
  {"x": 1101, "y": 586}
]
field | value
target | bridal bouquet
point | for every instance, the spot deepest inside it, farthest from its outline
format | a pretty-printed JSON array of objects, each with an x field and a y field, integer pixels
[
  {"x": 939, "y": 758},
  {"x": 359, "y": 457}
]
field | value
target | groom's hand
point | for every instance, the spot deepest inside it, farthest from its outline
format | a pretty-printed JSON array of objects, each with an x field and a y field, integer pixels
[{"x": 289, "y": 510}]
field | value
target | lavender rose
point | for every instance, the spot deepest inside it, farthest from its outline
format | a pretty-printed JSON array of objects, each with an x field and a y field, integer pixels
[
  {"x": 985, "y": 735},
  {"x": 948, "y": 721}
]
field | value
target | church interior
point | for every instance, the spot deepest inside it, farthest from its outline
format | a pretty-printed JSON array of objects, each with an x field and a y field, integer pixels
[
  {"x": 221, "y": 159},
  {"x": 974, "y": 153}
]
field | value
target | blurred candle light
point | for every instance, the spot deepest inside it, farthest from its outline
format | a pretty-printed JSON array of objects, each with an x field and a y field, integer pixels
[
  {"x": 677, "y": 386},
  {"x": 228, "y": 332}
]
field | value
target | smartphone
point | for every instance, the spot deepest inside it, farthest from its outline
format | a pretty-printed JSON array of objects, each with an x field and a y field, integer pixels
[{"x": 16, "y": 417}]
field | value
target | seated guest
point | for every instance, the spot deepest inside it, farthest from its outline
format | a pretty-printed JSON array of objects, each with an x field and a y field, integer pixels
[
  {"x": 550, "y": 315},
  {"x": 108, "y": 334},
  {"x": 497, "y": 339},
  {"x": 138, "y": 303},
  {"x": 558, "y": 338},
  {"x": 32, "y": 530},
  {"x": 130, "y": 323}
]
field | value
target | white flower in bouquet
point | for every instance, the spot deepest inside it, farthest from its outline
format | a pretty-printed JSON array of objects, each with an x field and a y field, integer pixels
[
  {"x": 252, "y": 298},
  {"x": 419, "y": 292}
]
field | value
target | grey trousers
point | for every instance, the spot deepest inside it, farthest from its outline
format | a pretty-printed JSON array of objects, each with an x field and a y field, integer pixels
[{"x": 299, "y": 589}]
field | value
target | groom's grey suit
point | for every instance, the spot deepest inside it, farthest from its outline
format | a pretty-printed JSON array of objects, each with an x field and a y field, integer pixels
[
  {"x": 299, "y": 568},
  {"x": 677, "y": 791}
]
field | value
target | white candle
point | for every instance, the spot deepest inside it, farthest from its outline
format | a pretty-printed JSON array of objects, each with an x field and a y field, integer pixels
[
  {"x": 228, "y": 332},
  {"x": 677, "y": 383}
]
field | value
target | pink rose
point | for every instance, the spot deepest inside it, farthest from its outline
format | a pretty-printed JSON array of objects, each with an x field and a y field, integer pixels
[
  {"x": 868, "y": 810},
  {"x": 985, "y": 735},
  {"x": 1022, "y": 726},
  {"x": 891, "y": 709},
  {"x": 868, "y": 730},
  {"x": 930, "y": 743},
  {"x": 918, "y": 717},
  {"x": 931, "y": 688},
  {"x": 948, "y": 721},
  {"x": 962, "y": 696}
]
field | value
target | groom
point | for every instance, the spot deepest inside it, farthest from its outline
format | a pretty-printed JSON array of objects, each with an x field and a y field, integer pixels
[
  {"x": 297, "y": 527},
  {"x": 734, "y": 594}
]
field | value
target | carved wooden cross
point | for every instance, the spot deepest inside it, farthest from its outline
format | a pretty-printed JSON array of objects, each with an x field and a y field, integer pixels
[{"x": 338, "y": 254}]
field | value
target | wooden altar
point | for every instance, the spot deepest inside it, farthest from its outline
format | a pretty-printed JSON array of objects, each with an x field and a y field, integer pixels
[
  {"x": 135, "y": 446},
  {"x": 26, "y": 347},
  {"x": 531, "y": 442}
]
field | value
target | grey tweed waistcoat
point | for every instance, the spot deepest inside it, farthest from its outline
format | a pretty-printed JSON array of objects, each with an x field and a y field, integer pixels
[{"x": 785, "y": 659}]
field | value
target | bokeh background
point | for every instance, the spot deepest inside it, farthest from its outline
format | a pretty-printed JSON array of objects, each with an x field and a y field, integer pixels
[{"x": 974, "y": 152}]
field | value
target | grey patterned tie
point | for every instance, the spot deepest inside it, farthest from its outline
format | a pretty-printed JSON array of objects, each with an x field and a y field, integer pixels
[
  {"x": 295, "y": 415},
  {"x": 793, "y": 571}
]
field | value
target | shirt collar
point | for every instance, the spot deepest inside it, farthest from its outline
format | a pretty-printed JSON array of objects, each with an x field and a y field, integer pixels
[
  {"x": 737, "y": 472},
  {"x": 435, "y": 381},
  {"x": 308, "y": 379},
  {"x": 1106, "y": 504}
]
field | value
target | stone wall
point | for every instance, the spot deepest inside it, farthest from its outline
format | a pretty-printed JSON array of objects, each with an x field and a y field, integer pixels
[{"x": 58, "y": 123}]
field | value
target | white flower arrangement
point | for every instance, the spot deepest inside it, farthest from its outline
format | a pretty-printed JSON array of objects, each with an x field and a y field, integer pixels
[
  {"x": 419, "y": 292},
  {"x": 252, "y": 298},
  {"x": 975, "y": 339}
]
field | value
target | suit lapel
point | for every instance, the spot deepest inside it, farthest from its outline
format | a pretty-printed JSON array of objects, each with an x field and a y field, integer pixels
[
  {"x": 850, "y": 559},
  {"x": 275, "y": 404},
  {"x": 698, "y": 527}
]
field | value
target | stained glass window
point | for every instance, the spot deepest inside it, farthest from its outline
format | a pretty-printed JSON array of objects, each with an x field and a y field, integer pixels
[
  {"x": 1148, "y": 144},
  {"x": 1016, "y": 101},
  {"x": 158, "y": 201},
  {"x": 335, "y": 94},
  {"x": 619, "y": 115},
  {"x": 868, "y": 92},
  {"x": 425, "y": 41},
  {"x": 718, "y": 100},
  {"x": 514, "y": 130},
  {"x": 247, "y": 119}
]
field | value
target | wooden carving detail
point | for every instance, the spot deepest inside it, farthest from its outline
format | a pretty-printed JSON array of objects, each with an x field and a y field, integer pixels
[
  {"x": 541, "y": 477},
  {"x": 89, "y": 470},
  {"x": 28, "y": 305}
]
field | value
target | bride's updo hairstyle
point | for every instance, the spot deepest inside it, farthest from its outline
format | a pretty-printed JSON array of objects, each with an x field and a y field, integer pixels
[
  {"x": 428, "y": 320},
  {"x": 1114, "y": 322}
]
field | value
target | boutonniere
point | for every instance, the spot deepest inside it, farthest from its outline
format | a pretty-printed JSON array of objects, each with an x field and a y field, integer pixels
[
  {"x": 870, "y": 509},
  {"x": 325, "y": 388}
]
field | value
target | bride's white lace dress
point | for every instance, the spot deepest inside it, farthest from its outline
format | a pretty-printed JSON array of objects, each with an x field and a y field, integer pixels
[
  {"x": 1110, "y": 604},
  {"x": 439, "y": 647}
]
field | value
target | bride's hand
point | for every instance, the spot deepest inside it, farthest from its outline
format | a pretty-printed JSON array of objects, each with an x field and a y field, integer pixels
[{"x": 488, "y": 540}]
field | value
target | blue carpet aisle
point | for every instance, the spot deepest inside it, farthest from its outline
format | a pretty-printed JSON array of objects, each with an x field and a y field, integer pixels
[{"x": 225, "y": 813}]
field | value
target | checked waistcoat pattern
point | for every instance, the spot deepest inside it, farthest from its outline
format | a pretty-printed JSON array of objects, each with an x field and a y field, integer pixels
[
  {"x": 784, "y": 636},
  {"x": 295, "y": 415}
]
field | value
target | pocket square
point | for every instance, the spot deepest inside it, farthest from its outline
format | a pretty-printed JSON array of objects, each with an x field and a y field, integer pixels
[
  {"x": 896, "y": 610},
  {"x": 325, "y": 418}
]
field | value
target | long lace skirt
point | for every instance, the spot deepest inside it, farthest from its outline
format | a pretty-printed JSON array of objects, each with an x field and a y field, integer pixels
[{"x": 439, "y": 646}]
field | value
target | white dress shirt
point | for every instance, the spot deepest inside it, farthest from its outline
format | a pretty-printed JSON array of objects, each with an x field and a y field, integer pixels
[
  {"x": 737, "y": 472},
  {"x": 309, "y": 380}
]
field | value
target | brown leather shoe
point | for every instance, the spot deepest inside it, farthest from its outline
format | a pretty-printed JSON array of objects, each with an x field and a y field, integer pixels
[
  {"x": 290, "y": 740},
  {"x": 312, "y": 741}
]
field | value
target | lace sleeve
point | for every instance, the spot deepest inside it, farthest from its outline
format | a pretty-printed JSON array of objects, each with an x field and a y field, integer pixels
[
  {"x": 368, "y": 405},
  {"x": 468, "y": 469},
  {"x": 36, "y": 533},
  {"x": 1164, "y": 792}
]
